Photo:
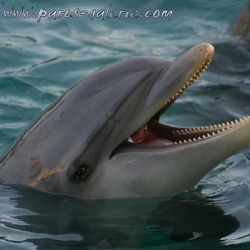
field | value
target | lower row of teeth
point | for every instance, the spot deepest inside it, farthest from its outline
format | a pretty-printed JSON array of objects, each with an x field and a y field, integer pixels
[{"x": 220, "y": 128}]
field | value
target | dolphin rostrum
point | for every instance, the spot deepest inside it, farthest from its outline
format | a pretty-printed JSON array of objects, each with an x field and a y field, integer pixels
[{"x": 103, "y": 139}]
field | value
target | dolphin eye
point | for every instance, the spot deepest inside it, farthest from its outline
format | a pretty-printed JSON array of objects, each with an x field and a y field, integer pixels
[
  {"x": 81, "y": 172},
  {"x": 78, "y": 171}
]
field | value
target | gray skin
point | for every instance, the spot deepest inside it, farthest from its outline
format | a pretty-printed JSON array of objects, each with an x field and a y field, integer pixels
[
  {"x": 76, "y": 146},
  {"x": 241, "y": 26}
]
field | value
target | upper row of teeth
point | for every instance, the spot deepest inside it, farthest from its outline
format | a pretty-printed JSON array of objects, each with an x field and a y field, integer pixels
[
  {"x": 193, "y": 78},
  {"x": 216, "y": 129}
]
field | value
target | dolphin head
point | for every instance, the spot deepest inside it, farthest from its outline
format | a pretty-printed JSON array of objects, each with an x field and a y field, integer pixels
[
  {"x": 241, "y": 27},
  {"x": 103, "y": 138}
]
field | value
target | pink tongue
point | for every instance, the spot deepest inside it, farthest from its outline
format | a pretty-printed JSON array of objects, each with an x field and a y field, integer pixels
[{"x": 148, "y": 137}]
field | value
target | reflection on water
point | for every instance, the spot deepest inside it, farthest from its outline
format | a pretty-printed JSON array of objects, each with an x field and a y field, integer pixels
[{"x": 50, "y": 220}]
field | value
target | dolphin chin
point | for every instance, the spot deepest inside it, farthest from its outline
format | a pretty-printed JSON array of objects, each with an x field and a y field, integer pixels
[{"x": 103, "y": 138}]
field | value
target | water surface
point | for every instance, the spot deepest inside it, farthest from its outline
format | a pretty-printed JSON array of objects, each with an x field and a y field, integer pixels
[{"x": 39, "y": 61}]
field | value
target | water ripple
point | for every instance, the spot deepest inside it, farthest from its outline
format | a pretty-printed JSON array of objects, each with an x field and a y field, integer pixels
[{"x": 40, "y": 61}]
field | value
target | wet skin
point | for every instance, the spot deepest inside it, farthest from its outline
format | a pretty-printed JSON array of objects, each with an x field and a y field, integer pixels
[
  {"x": 103, "y": 139},
  {"x": 242, "y": 25}
]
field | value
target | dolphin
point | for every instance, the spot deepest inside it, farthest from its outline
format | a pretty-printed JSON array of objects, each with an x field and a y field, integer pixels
[
  {"x": 103, "y": 139},
  {"x": 241, "y": 27}
]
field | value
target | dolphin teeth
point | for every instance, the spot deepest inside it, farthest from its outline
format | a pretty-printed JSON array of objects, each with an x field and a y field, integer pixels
[
  {"x": 193, "y": 77},
  {"x": 205, "y": 132}
]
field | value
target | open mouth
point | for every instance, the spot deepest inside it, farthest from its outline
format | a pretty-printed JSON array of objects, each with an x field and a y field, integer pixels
[{"x": 154, "y": 133}]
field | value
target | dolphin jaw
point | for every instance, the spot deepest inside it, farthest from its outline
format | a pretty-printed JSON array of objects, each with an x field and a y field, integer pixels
[
  {"x": 179, "y": 135},
  {"x": 153, "y": 133},
  {"x": 191, "y": 80},
  {"x": 149, "y": 134}
]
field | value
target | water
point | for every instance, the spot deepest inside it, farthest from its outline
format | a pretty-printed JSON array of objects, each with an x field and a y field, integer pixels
[{"x": 39, "y": 61}]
